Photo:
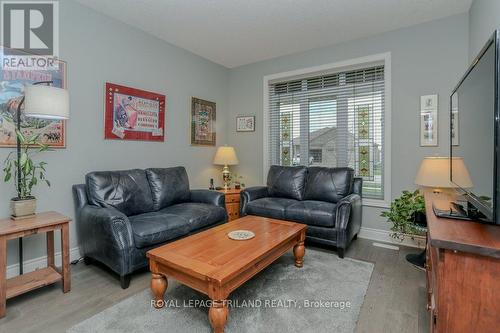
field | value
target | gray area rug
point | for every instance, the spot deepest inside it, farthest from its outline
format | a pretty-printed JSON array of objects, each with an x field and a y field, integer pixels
[{"x": 324, "y": 296}]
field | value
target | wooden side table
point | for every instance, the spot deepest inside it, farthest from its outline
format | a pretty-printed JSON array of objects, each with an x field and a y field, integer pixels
[
  {"x": 46, "y": 222},
  {"x": 232, "y": 203}
]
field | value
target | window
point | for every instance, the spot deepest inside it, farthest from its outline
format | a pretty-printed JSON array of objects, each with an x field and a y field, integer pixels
[{"x": 332, "y": 120}]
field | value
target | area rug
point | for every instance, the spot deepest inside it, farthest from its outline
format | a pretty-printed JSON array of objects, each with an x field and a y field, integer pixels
[{"x": 325, "y": 295}]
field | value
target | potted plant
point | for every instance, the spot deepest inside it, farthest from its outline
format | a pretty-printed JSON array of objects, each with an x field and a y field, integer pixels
[
  {"x": 406, "y": 215},
  {"x": 25, "y": 173}
]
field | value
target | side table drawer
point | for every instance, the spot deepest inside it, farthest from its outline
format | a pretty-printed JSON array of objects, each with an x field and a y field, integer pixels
[
  {"x": 233, "y": 211},
  {"x": 231, "y": 198}
]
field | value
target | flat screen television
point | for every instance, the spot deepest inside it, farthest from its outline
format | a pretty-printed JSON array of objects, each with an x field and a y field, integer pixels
[{"x": 475, "y": 134}]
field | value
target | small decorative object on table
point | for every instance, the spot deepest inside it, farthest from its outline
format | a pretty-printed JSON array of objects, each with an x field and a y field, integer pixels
[
  {"x": 238, "y": 181},
  {"x": 226, "y": 156},
  {"x": 245, "y": 124},
  {"x": 241, "y": 234}
]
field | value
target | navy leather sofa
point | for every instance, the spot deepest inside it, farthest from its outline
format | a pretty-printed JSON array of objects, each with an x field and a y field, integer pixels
[
  {"x": 120, "y": 215},
  {"x": 328, "y": 200}
]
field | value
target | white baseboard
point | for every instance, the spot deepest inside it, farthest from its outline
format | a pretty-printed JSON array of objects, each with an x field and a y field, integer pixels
[
  {"x": 74, "y": 253},
  {"x": 41, "y": 262},
  {"x": 385, "y": 236}
]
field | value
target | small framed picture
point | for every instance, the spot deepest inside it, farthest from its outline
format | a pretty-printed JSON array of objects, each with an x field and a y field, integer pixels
[
  {"x": 428, "y": 120},
  {"x": 245, "y": 123}
]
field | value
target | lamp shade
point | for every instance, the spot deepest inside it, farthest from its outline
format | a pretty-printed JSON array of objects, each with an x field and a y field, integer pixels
[
  {"x": 435, "y": 172},
  {"x": 41, "y": 101},
  {"x": 225, "y": 156}
]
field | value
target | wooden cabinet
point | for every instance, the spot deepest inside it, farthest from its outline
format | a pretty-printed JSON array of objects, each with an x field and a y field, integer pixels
[
  {"x": 232, "y": 203},
  {"x": 463, "y": 273}
]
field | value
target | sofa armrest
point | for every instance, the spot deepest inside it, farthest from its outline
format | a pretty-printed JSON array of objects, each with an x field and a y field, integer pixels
[
  {"x": 106, "y": 235},
  {"x": 250, "y": 194},
  {"x": 208, "y": 197},
  {"x": 348, "y": 218}
]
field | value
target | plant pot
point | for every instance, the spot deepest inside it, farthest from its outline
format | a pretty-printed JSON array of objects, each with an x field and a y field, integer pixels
[{"x": 23, "y": 207}]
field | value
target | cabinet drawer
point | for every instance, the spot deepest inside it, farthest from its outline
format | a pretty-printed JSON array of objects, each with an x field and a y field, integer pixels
[
  {"x": 230, "y": 198},
  {"x": 233, "y": 211}
]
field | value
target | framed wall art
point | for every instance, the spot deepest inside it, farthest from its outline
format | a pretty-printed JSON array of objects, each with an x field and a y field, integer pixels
[
  {"x": 245, "y": 123},
  {"x": 133, "y": 114},
  {"x": 428, "y": 120},
  {"x": 12, "y": 82},
  {"x": 203, "y": 117}
]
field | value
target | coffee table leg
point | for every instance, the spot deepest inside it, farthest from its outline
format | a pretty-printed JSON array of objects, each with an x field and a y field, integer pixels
[
  {"x": 159, "y": 285},
  {"x": 218, "y": 315},
  {"x": 299, "y": 250}
]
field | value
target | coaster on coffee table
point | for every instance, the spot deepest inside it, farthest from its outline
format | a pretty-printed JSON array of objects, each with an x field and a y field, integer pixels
[{"x": 241, "y": 235}]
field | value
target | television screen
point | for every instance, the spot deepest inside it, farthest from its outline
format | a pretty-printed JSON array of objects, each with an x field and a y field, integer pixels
[{"x": 473, "y": 122}]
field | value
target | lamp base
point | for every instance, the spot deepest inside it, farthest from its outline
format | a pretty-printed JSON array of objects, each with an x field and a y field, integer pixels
[{"x": 226, "y": 177}]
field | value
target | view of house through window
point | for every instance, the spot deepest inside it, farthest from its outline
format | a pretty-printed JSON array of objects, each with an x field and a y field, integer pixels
[{"x": 332, "y": 120}]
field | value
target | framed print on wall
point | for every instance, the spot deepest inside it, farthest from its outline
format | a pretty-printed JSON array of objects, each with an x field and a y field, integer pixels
[
  {"x": 133, "y": 114},
  {"x": 245, "y": 123},
  {"x": 12, "y": 82},
  {"x": 429, "y": 120},
  {"x": 203, "y": 117}
]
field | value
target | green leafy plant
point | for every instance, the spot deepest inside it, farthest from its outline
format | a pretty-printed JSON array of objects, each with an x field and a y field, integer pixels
[
  {"x": 31, "y": 172},
  {"x": 403, "y": 212}
]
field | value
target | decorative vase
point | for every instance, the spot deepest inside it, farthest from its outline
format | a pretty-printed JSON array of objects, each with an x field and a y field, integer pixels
[{"x": 22, "y": 207}]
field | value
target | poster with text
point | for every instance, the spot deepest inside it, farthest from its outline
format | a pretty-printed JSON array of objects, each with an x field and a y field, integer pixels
[{"x": 134, "y": 114}]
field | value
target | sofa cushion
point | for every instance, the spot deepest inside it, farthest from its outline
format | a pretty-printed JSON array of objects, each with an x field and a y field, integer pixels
[
  {"x": 168, "y": 186},
  {"x": 197, "y": 215},
  {"x": 286, "y": 182},
  {"x": 328, "y": 184},
  {"x": 318, "y": 213},
  {"x": 127, "y": 190},
  {"x": 269, "y": 207},
  {"x": 157, "y": 227}
]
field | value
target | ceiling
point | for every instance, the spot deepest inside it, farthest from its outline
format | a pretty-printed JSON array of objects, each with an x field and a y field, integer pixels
[{"x": 238, "y": 32}]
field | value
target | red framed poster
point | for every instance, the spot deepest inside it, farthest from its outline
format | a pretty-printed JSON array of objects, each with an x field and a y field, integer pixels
[{"x": 133, "y": 114}]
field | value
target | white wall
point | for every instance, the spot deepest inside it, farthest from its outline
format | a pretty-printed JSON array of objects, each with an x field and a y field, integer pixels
[
  {"x": 99, "y": 49},
  {"x": 426, "y": 59},
  {"x": 484, "y": 18}
]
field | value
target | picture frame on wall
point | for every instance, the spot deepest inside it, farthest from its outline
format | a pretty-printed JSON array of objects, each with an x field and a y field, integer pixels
[
  {"x": 12, "y": 83},
  {"x": 428, "y": 120},
  {"x": 245, "y": 123},
  {"x": 203, "y": 121},
  {"x": 133, "y": 114}
]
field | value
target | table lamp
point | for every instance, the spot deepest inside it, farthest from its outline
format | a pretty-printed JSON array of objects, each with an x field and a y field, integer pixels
[
  {"x": 41, "y": 100},
  {"x": 434, "y": 172},
  {"x": 225, "y": 156}
]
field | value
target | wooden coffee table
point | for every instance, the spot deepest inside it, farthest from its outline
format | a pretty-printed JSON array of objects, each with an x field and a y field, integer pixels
[{"x": 215, "y": 265}]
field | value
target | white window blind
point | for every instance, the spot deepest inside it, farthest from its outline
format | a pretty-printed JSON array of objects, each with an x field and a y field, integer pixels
[{"x": 332, "y": 120}]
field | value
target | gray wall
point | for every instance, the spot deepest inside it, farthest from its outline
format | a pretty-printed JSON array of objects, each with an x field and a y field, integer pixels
[
  {"x": 426, "y": 59},
  {"x": 99, "y": 49},
  {"x": 484, "y": 18}
]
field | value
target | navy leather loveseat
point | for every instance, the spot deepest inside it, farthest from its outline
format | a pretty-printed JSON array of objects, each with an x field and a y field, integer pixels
[
  {"x": 120, "y": 215},
  {"x": 328, "y": 200}
]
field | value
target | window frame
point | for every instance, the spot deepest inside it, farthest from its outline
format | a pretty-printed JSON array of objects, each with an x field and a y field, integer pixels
[{"x": 356, "y": 63}]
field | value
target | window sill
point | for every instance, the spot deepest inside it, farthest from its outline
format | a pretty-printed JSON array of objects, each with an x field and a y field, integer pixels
[{"x": 376, "y": 203}]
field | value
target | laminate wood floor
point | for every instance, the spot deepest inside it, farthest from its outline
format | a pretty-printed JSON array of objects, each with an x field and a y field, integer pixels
[{"x": 395, "y": 301}]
